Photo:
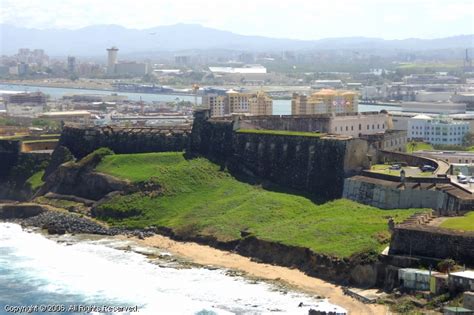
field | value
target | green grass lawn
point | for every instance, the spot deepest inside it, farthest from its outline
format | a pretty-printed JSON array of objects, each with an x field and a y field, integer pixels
[
  {"x": 200, "y": 199},
  {"x": 465, "y": 223},
  {"x": 409, "y": 171},
  {"x": 41, "y": 140},
  {"x": 418, "y": 146},
  {"x": 384, "y": 169},
  {"x": 281, "y": 132},
  {"x": 35, "y": 180}
]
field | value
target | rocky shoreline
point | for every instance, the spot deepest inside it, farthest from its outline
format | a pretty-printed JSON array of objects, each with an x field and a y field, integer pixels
[{"x": 58, "y": 222}]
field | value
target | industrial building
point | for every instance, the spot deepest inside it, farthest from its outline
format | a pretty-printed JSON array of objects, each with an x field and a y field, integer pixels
[
  {"x": 77, "y": 116},
  {"x": 25, "y": 104},
  {"x": 444, "y": 108},
  {"x": 325, "y": 101}
]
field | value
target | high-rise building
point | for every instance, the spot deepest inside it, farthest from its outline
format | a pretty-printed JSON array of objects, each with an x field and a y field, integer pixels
[
  {"x": 111, "y": 60},
  {"x": 216, "y": 103},
  {"x": 325, "y": 101},
  {"x": 71, "y": 65},
  {"x": 261, "y": 104},
  {"x": 234, "y": 102}
]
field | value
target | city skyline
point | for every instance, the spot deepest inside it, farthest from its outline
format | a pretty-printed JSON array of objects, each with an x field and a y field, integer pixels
[{"x": 298, "y": 19}]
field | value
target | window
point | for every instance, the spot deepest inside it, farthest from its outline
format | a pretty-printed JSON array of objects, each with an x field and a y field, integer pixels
[
  {"x": 360, "y": 126},
  {"x": 368, "y": 127},
  {"x": 378, "y": 126},
  {"x": 352, "y": 128},
  {"x": 383, "y": 126}
]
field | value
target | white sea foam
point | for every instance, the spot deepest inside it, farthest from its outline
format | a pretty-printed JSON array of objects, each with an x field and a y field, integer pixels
[{"x": 97, "y": 271}]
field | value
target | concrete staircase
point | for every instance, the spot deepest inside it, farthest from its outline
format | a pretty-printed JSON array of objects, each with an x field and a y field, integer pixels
[{"x": 420, "y": 218}]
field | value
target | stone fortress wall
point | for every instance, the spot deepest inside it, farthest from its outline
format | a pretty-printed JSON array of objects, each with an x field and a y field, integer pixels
[
  {"x": 429, "y": 241},
  {"x": 84, "y": 140},
  {"x": 316, "y": 165},
  {"x": 9, "y": 153}
]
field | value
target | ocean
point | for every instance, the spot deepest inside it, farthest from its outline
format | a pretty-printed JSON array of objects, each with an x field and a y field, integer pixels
[
  {"x": 64, "y": 273},
  {"x": 280, "y": 107}
]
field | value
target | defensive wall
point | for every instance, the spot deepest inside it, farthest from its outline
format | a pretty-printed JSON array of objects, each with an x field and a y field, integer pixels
[
  {"x": 392, "y": 192},
  {"x": 317, "y": 165},
  {"x": 16, "y": 167},
  {"x": 430, "y": 241},
  {"x": 9, "y": 152},
  {"x": 84, "y": 140},
  {"x": 39, "y": 145},
  {"x": 305, "y": 123},
  {"x": 434, "y": 193}
]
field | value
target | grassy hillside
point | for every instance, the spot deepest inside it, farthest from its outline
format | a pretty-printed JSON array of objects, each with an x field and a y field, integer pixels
[
  {"x": 35, "y": 180},
  {"x": 200, "y": 199},
  {"x": 464, "y": 223}
]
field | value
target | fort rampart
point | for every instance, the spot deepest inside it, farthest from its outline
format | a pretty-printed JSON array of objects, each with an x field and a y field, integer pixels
[
  {"x": 317, "y": 165},
  {"x": 82, "y": 141},
  {"x": 419, "y": 240}
]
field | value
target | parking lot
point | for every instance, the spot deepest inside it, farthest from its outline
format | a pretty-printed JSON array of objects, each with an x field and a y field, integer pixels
[
  {"x": 464, "y": 181},
  {"x": 391, "y": 169}
]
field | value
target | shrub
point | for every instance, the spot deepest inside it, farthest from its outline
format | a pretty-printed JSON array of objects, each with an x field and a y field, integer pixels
[{"x": 94, "y": 158}]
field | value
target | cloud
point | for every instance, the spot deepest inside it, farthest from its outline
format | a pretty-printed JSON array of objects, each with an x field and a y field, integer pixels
[{"x": 294, "y": 19}]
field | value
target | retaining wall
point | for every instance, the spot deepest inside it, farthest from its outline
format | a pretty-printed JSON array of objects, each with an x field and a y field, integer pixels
[{"x": 422, "y": 240}]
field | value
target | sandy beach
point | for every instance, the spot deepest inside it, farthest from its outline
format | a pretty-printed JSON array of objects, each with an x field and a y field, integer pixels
[{"x": 206, "y": 255}]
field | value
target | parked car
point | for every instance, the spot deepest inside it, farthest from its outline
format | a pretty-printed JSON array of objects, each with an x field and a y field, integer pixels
[
  {"x": 461, "y": 176},
  {"x": 471, "y": 180},
  {"x": 462, "y": 180},
  {"x": 428, "y": 168},
  {"x": 395, "y": 167}
]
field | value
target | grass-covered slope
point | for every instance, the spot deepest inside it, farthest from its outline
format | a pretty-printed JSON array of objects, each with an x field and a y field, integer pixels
[
  {"x": 35, "y": 180},
  {"x": 200, "y": 199},
  {"x": 464, "y": 223}
]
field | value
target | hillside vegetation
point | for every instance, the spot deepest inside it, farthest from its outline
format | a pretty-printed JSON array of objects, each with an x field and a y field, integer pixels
[{"x": 199, "y": 199}]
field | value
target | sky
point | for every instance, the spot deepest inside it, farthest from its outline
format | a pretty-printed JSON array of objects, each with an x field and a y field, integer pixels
[{"x": 296, "y": 19}]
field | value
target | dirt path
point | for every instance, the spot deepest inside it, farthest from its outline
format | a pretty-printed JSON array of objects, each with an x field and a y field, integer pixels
[{"x": 206, "y": 255}]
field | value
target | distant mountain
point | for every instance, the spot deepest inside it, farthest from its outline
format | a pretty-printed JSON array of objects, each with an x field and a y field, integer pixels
[{"x": 93, "y": 40}]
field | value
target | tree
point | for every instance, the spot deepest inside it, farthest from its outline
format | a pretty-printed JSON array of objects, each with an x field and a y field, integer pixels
[{"x": 468, "y": 139}]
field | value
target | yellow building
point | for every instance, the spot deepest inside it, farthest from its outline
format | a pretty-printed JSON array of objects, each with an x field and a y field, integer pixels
[
  {"x": 324, "y": 101},
  {"x": 216, "y": 103},
  {"x": 234, "y": 102},
  {"x": 261, "y": 104}
]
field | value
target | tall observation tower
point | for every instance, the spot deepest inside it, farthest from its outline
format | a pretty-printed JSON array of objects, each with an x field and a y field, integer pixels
[{"x": 111, "y": 60}]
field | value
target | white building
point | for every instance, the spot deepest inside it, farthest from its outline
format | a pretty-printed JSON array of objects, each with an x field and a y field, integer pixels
[
  {"x": 434, "y": 107},
  {"x": 358, "y": 124},
  {"x": 111, "y": 60},
  {"x": 425, "y": 96},
  {"x": 437, "y": 130},
  {"x": 247, "y": 69}
]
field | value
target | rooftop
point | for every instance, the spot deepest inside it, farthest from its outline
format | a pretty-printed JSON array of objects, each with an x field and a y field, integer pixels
[
  {"x": 66, "y": 113},
  {"x": 464, "y": 274}
]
